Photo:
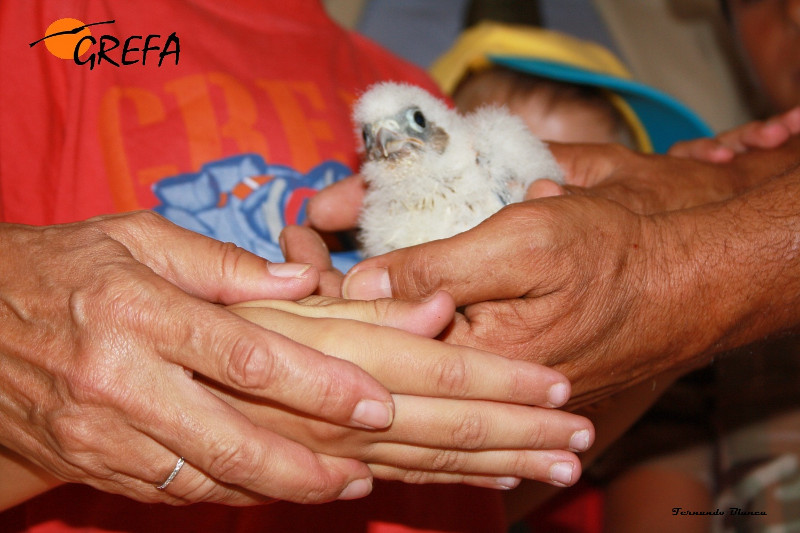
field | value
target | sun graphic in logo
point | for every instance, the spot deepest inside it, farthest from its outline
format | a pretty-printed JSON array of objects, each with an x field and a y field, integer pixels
[{"x": 63, "y": 35}]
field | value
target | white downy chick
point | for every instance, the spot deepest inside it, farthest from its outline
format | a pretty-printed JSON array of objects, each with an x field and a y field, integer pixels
[{"x": 432, "y": 173}]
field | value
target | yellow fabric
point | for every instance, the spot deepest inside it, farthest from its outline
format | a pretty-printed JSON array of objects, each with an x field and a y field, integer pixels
[
  {"x": 640, "y": 134},
  {"x": 472, "y": 50}
]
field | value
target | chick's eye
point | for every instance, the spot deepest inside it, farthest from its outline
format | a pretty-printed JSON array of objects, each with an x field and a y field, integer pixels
[
  {"x": 419, "y": 118},
  {"x": 416, "y": 120},
  {"x": 365, "y": 135}
]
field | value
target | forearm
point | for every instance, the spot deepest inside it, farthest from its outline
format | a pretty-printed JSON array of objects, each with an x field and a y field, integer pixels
[
  {"x": 729, "y": 273},
  {"x": 650, "y": 184},
  {"x": 20, "y": 480}
]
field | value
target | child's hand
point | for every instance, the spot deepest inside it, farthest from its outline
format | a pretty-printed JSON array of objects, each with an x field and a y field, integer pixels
[{"x": 461, "y": 415}]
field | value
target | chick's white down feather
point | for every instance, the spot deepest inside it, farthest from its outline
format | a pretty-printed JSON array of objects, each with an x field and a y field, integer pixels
[{"x": 432, "y": 173}]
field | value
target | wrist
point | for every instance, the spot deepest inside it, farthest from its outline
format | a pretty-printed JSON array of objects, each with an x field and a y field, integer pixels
[
  {"x": 677, "y": 293},
  {"x": 726, "y": 273}
]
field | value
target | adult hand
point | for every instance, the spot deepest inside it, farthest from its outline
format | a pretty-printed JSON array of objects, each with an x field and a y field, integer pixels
[
  {"x": 462, "y": 415},
  {"x": 759, "y": 134},
  {"x": 100, "y": 321},
  {"x": 650, "y": 184},
  {"x": 556, "y": 281},
  {"x": 607, "y": 296}
]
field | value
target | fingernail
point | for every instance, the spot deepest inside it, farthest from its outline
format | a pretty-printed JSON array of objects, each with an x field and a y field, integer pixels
[
  {"x": 369, "y": 284},
  {"x": 558, "y": 394},
  {"x": 561, "y": 473},
  {"x": 287, "y": 270},
  {"x": 507, "y": 483},
  {"x": 579, "y": 442},
  {"x": 356, "y": 489},
  {"x": 372, "y": 414}
]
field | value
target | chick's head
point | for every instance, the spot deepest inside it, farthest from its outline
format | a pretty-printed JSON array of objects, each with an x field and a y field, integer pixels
[{"x": 397, "y": 121}]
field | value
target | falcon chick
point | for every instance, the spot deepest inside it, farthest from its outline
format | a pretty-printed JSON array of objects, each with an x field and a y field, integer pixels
[{"x": 432, "y": 173}]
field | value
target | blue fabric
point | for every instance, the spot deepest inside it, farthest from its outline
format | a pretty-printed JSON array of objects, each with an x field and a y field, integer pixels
[{"x": 270, "y": 197}]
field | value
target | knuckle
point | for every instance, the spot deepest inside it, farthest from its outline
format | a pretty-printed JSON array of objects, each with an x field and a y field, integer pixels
[
  {"x": 317, "y": 493},
  {"x": 69, "y": 434},
  {"x": 448, "y": 461},
  {"x": 135, "y": 224},
  {"x": 231, "y": 256},
  {"x": 419, "y": 276},
  {"x": 148, "y": 219},
  {"x": 379, "y": 311},
  {"x": 537, "y": 437},
  {"x": 233, "y": 464},
  {"x": 538, "y": 227},
  {"x": 103, "y": 354},
  {"x": 330, "y": 393},
  {"x": 200, "y": 489},
  {"x": 471, "y": 431},
  {"x": 113, "y": 301},
  {"x": 317, "y": 487},
  {"x": 452, "y": 376},
  {"x": 415, "y": 477},
  {"x": 249, "y": 366},
  {"x": 519, "y": 464},
  {"x": 74, "y": 437}
]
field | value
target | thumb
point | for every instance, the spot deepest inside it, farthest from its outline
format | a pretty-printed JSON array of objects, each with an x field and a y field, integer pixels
[
  {"x": 587, "y": 165},
  {"x": 487, "y": 262},
  {"x": 336, "y": 207},
  {"x": 304, "y": 245},
  {"x": 203, "y": 267},
  {"x": 542, "y": 188}
]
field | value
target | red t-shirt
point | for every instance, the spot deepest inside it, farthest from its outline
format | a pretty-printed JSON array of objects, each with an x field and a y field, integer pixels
[{"x": 259, "y": 85}]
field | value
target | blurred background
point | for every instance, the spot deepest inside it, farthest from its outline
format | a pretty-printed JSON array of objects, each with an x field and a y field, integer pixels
[{"x": 682, "y": 47}]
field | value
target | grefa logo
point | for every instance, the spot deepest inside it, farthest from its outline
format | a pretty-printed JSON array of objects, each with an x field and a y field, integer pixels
[{"x": 69, "y": 38}]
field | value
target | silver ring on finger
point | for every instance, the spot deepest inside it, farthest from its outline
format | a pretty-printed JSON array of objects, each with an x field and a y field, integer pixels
[{"x": 172, "y": 475}]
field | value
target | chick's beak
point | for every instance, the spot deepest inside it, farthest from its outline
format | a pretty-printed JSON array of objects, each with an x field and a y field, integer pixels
[{"x": 389, "y": 141}]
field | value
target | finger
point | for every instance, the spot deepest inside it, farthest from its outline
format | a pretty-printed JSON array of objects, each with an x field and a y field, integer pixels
[
  {"x": 451, "y": 264},
  {"x": 792, "y": 120},
  {"x": 138, "y": 466},
  {"x": 755, "y": 135},
  {"x": 231, "y": 450},
  {"x": 423, "y": 317},
  {"x": 193, "y": 486},
  {"x": 434, "y": 434},
  {"x": 707, "y": 149},
  {"x": 216, "y": 343},
  {"x": 206, "y": 268},
  {"x": 421, "y": 477},
  {"x": 543, "y": 188},
  {"x": 304, "y": 245},
  {"x": 423, "y": 366},
  {"x": 188, "y": 485},
  {"x": 336, "y": 207},
  {"x": 269, "y": 365},
  {"x": 482, "y": 425},
  {"x": 562, "y": 469},
  {"x": 586, "y": 165}
]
